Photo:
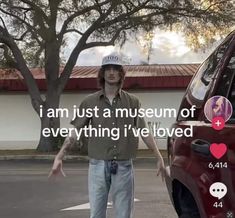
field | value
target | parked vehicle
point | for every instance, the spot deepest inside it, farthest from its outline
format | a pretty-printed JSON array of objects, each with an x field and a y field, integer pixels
[{"x": 192, "y": 169}]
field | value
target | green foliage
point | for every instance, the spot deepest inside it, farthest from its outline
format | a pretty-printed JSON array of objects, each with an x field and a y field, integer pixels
[{"x": 36, "y": 23}]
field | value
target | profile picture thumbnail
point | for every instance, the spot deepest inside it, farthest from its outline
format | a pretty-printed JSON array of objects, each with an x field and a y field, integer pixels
[{"x": 218, "y": 106}]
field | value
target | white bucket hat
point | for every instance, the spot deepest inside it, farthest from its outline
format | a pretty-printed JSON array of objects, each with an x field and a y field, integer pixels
[{"x": 113, "y": 58}]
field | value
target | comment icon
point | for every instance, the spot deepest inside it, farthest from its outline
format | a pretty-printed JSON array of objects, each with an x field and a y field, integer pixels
[{"x": 218, "y": 190}]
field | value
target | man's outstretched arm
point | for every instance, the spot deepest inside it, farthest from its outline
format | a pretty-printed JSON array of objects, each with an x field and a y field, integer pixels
[
  {"x": 152, "y": 145},
  {"x": 57, "y": 165}
]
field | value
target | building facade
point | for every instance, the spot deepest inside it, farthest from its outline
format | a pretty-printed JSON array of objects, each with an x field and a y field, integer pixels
[{"x": 157, "y": 86}]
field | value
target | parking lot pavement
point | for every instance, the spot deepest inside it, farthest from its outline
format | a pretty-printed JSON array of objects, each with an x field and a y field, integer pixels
[{"x": 26, "y": 192}]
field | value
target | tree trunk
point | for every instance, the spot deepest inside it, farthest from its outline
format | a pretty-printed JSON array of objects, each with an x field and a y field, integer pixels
[{"x": 50, "y": 143}]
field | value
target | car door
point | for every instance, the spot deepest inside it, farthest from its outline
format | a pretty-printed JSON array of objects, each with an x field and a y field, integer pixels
[
  {"x": 221, "y": 170},
  {"x": 190, "y": 156}
]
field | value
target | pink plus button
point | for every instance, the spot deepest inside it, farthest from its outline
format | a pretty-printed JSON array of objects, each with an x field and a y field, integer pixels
[{"x": 218, "y": 123}]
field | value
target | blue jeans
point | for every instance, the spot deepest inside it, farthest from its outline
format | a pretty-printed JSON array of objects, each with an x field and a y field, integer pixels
[{"x": 121, "y": 185}]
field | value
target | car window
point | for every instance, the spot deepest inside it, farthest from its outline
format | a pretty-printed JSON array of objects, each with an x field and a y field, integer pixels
[
  {"x": 202, "y": 81},
  {"x": 231, "y": 91},
  {"x": 225, "y": 84}
]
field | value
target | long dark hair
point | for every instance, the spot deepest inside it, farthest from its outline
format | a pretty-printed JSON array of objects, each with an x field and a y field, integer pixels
[{"x": 101, "y": 72}]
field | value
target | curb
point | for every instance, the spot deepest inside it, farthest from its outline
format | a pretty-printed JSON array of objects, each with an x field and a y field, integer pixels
[{"x": 41, "y": 157}]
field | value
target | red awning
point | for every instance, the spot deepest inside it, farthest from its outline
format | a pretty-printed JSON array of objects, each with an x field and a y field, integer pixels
[{"x": 142, "y": 77}]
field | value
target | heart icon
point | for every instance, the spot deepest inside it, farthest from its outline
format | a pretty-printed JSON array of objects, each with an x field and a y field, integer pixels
[{"x": 218, "y": 150}]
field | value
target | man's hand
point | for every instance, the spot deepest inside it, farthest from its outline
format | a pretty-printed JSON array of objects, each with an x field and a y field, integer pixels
[
  {"x": 56, "y": 168},
  {"x": 57, "y": 165},
  {"x": 161, "y": 168},
  {"x": 151, "y": 144}
]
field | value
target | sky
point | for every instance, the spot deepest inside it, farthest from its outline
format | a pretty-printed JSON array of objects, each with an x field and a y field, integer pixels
[{"x": 168, "y": 48}]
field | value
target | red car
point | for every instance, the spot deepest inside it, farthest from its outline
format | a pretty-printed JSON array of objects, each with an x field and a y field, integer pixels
[{"x": 192, "y": 167}]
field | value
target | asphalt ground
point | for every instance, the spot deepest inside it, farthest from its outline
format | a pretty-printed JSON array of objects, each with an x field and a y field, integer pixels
[{"x": 26, "y": 192}]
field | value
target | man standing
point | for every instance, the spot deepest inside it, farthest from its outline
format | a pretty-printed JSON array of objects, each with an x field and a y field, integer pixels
[{"x": 110, "y": 165}]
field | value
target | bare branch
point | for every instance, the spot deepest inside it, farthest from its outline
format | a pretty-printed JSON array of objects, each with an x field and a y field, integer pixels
[
  {"x": 65, "y": 10},
  {"x": 3, "y": 23},
  {"x": 37, "y": 56},
  {"x": 7, "y": 56},
  {"x": 34, "y": 92},
  {"x": 77, "y": 14},
  {"x": 98, "y": 7},
  {"x": 30, "y": 27},
  {"x": 158, "y": 10},
  {"x": 107, "y": 43},
  {"x": 3, "y": 33},
  {"x": 19, "y": 8},
  {"x": 79, "y": 47},
  {"x": 73, "y": 30},
  {"x": 38, "y": 14},
  {"x": 53, "y": 5},
  {"x": 21, "y": 37},
  {"x": 37, "y": 9},
  {"x": 124, "y": 16}
]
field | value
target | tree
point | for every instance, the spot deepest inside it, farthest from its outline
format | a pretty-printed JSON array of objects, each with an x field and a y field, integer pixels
[{"x": 40, "y": 28}]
